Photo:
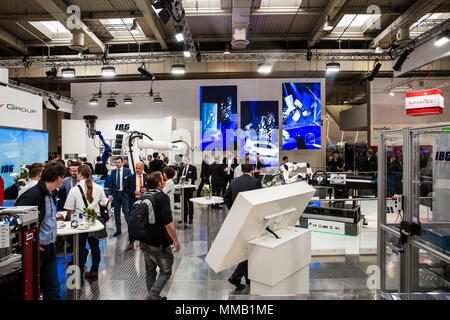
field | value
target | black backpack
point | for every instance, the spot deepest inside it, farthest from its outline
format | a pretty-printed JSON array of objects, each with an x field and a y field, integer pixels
[{"x": 142, "y": 217}]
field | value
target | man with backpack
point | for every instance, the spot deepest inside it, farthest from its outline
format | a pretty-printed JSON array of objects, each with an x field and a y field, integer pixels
[{"x": 151, "y": 223}]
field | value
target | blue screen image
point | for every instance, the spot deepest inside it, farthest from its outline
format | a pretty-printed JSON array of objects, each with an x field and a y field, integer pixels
[
  {"x": 218, "y": 114},
  {"x": 259, "y": 131},
  {"x": 302, "y": 116},
  {"x": 19, "y": 147}
]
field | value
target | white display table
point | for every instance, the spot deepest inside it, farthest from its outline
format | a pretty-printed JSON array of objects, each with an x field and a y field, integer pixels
[
  {"x": 203, "y": 201},
  {"x": 67, "y": 230},
  {"x": 182, "y": 187}
]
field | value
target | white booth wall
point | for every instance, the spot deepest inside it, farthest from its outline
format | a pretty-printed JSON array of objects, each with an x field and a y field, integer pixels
[{"x": 181, "y": 101}]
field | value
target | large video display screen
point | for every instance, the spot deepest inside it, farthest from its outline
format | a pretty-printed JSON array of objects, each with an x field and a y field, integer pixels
[
  {"x": 259, "y": 131},
  {"x": 302, "y": 116},
  {"x": 19, "y": 147},
  {"x": 218, "y": 114}
]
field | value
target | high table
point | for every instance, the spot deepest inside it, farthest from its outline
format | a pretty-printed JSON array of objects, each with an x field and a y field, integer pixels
[
  {"x": 203, "y": 201},
  {"x": 182, "y": 187},
  {"x": 67, "y": 231}
]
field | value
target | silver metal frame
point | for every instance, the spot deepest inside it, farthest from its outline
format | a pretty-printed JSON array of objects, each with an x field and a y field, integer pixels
[{"x": 409, "y": 254}]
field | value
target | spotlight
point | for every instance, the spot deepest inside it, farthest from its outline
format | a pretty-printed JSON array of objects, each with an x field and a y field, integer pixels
[
  {"x": 178, "y": 69},
  {"x": 378, "y": 49},
  {"x": 327, "y": 26},
  {"x": 163, "y": 9},
  {"x": 227, "y": 49},
  {"x": 52, "y": 73},
  {"x": 157, "y": 99},
  {"x": 264, "y": 68},
  {"x": 374, "y": 71},
  {"x": 146, "y": 73},
  {"x": 308, "y": 55},
  {"x": 401, "y": 60},
  {"x": 179, "y": 33},
  {"x": 333, "y": 67},
  {"x": 187, "y": 53},
  {"x": 53, "y": 103},
  {"x": 199, "y": 56},
  {"x": 442, "y": 39},
  {"x": 93, "y": 101},
  {"x": 68, "y": 73},
  {"x": 108, "y": 71},
  {"x": 391, "y": 93},
  {"x": 127, "y": 100},
  {"x": 134, "y": 28},
  {"x": 111, "y": 103}
]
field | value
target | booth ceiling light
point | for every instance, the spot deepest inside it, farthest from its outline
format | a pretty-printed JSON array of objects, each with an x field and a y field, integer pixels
[
  {"x": 53, "y": 103},
  {"x": 391, "y": 93},
  {"x": 179, "y": 33},
  {"x": 402, "y": 59},
  {"x": 111, "y": 103},
  {"x": 264, "y": 68},
  {"x": 52, "y": 73},
  {"x": 93, "y": 101},
  {"x": 442, "y": 39},
  {"x": 178, "y": 69},
  {"x": 327, "y": 26},
  {"x": 157, "y": 99},
  {"x": 378, "y": 49},
  {"x": 134, "y": 28},
  {"x": 127, "y": 100},
  {"x": 162, "y": 8},
  {"x": 68, "y": 73},
  {"x": 108, "y": 71},
  {"x": 374, "y": 71},
  {"x": 227, "y": 49},
  {"x": 144, "y": 72},
  {"x": 187, "y": 51},
  {"x": 333, "y": 67}
]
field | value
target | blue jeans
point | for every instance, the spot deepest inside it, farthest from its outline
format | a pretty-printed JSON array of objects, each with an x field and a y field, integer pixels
[
  {"x": 95, "y": 252},
  {"x": 49, "y": 273},
  {"x": 157, "y": 257},
  {"x": 121, "y": 203}
]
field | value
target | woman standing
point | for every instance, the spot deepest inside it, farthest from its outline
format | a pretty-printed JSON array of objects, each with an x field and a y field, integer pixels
[
  {"x": 169, "y": 187},
  {"x": 95, "y": 197}
]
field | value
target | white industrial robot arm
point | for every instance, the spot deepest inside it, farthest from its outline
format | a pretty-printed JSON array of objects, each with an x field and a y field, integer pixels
[{"x": 288, "y": 168}]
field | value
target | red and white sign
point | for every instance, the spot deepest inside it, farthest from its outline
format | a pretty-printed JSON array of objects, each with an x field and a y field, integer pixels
[{"x": 422, "y": 103}]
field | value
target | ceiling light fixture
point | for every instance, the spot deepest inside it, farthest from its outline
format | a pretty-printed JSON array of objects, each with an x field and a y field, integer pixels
[
  {"x": 442, "y": 39},
  {"x": 52, "y": 73},
  {"x": 398, "y": 65},
  {"x": 264, "y": 68},
  {"x": 93, "y": 101},
  {"x": 144, "y": 72},
  {"x": 111, "y": 103},
  {"x": 391, "y": 93},
  {"x": 179, "y": 33},
  {"x": 127, "y": 100},
  {"x": 187, "y": 51},
  {"x": 178, "y": 69},
  {"x": 68, "y": 73},
  {"x": 134, "y": 28},
  {"x": 227, "y": 49},
  {"x": 157, "y": 99},
  {"x": 327, "y": 26},
  {"x": 162, "y": 8},
  {"x": 333, "y": 67},
  {"x": 108, "y": 71},
  {"x": 53, "y": 103},
  {"x": 378, "y": 49},
  {"x": 374, "y": 71}
]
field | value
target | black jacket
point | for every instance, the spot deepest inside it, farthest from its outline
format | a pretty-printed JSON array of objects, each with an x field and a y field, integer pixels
[
  {"x": 155, "y": 165},
  {"x": 240, "y": 184},
  {"x": 36, "y": 197},
  {"x": 101, "y": 170},
  {"x": 191, "y": 173},
  {"x": 217, "y": 173},
  {"x": 90, "y": 166},
  {"x": 204, "y": 174}
]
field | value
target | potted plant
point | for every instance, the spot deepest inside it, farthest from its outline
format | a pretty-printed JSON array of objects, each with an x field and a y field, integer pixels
[
  {"x": 207, "y": 191},
  {"x": 90, "y": 215},
  {"x": 20, "y": 180},
  {"x": 181, "y": 181}
]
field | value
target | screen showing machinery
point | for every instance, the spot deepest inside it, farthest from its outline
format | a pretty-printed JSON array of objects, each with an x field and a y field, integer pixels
[
  {"x": 302, "y": 116},
  {"x": 259, "y": 130},
  {"x": 19, "y": 147},
  {"x": 218, "y": 116}
]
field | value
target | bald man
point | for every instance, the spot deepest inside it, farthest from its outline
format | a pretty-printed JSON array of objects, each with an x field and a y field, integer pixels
[{"x": 135, "y": 187}]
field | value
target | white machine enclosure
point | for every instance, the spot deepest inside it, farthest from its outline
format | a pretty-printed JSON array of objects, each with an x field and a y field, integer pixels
[{"x": 275, "y": 207}]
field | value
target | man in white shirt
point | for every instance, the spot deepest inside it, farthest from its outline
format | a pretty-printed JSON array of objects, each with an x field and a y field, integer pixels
[
  {"x": 230, "y": 164},
  {"x": 36, "y": 170}
]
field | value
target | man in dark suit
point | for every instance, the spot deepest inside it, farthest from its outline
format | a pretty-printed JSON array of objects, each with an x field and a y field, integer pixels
[
  {"x": 135, "y": 187},
  {"x": 156, "y": 164},
  {"x": 204, "y": 174},
  {"x": 101, "y": 169},
  {"x": 118, "y": 194},
  {"x": 88, "y": 164},
  {"x": 244, "y": 183},
  {"x": 217, "y": 179},
  {"x": 259, "y": 167},
  {"x": 189, "y": 172},
  {"x": 230, "y": 163}
]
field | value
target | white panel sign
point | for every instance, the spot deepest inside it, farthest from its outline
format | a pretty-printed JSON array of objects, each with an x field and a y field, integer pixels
[
  {"x": 20, "y": 109},
  {"x": 326, "y": 226}
]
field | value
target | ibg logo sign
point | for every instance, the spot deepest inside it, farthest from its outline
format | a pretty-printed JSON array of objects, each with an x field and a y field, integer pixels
[
  {"x": 121, "y": 126},
  {"x": 13, "y": 107},
  {"x": 442, "y": 156}
]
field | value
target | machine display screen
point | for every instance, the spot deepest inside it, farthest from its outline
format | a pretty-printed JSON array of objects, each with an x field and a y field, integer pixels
[
  {"x": 259, "y": 131},
  {"x": 301, "y": 116},
  {"x": 19, "y": 147},
  {"x": 218, "y": 116}
]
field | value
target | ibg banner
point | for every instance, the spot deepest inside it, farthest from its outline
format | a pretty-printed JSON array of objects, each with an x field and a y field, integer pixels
[
  {"x": 20, "y": 109},
  {"x": 441, "y": 177}
]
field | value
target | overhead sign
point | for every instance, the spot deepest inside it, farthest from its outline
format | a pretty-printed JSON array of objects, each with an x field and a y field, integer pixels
[
  {"x": 428, "y": 102},
  {"x": 20, "y": 109}
]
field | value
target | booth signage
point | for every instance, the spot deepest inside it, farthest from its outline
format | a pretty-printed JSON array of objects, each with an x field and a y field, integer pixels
[
  {"x": 20, "y": 109},
  {"x": 427, "y": 102}
]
